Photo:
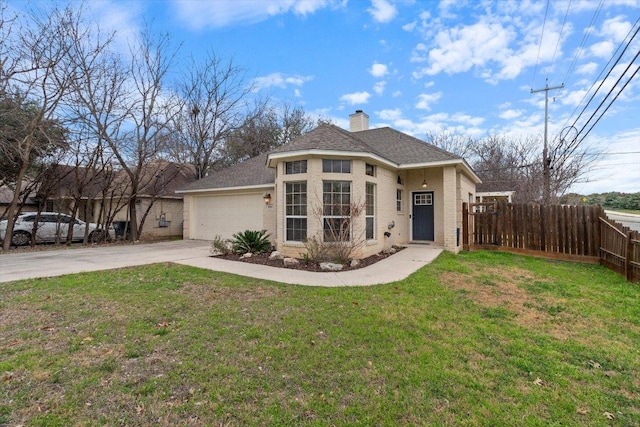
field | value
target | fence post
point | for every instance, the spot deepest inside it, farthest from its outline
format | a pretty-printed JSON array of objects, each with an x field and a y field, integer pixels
[{"x": 627, "y": 257}]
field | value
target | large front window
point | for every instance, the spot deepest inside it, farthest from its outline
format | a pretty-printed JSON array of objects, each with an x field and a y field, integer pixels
[
  {"x": 370, "y": 210},
  {"x": 336, "y": 211},
  {"x": 296, "y": 211}
]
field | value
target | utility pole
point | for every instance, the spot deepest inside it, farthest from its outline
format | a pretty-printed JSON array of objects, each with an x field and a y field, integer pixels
[{"x": 545, "y": 152}]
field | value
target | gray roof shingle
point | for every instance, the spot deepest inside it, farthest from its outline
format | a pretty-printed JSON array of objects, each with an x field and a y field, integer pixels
[
  {"x": 401, "y": 148},
  {"x": 390, "y": 144},
  {"x": 250, "y": 172}
]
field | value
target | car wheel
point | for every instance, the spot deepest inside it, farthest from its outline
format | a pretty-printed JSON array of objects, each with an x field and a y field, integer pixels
[{"x": 20, "y": 238}]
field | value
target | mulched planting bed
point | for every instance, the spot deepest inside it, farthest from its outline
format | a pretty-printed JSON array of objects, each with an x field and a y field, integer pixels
[{"x": 264, "y": 259}]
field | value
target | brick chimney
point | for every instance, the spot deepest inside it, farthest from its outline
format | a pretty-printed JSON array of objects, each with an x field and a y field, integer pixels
[{"x": 358, "y": 121}]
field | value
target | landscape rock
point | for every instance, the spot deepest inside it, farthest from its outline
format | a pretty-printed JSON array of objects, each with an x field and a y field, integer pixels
[
  {"x": 355, "y": 263},
  {"x": 291, "y": 261},
  {"x": 276, "y": 255},
  {"x": 247, "y": 255},
  {"x": 215, "y": 252},
  {"x": 330, "y": 266},
  {"x": 390, "y": 251}
]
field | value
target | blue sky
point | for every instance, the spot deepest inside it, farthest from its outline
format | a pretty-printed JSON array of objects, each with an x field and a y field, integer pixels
[{"x": 464, "y": 67}]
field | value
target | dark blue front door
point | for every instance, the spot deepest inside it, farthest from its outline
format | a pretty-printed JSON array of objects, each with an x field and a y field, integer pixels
[{"x": 422, "y": 216}]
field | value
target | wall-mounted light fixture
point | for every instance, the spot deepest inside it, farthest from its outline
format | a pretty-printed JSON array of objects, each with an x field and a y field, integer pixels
[{"x": 267, "y": 198}]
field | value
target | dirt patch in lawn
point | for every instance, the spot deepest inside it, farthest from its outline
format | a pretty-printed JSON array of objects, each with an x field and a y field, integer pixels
[{"x": 501, "y": 291}]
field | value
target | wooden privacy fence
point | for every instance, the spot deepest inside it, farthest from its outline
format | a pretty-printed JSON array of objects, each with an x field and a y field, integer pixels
[
  {"x": 620, "y": 249},
  {"x": 575, "y": 233}
]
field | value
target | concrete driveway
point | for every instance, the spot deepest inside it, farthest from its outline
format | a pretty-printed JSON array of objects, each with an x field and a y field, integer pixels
[{"x": 57, "y": 262}]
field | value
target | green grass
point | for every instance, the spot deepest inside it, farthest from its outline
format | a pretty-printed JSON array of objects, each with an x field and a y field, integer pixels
[{"x": 476, "y": 339}]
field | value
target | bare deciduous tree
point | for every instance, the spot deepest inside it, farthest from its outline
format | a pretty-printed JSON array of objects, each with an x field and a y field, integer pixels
[
  {"x": 213, "y": 98},
  {"x": 38, "y": 76},
  {"x": 264, "y": 129},
  {"x": 512, "y": 164}
]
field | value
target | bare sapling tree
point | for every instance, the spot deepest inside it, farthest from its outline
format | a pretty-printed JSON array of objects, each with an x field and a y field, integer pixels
[
  {"x": 343, "y": 229},
  {"x": 213, "y": 97},
  {"x": 39, "y": 78}
]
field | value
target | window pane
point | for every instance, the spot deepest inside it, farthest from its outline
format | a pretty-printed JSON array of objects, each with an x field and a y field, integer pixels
[
  {"x": 296, "y": 211},
  {"x": 370, "y": 228},
  {"x": 346, "y": 166},
  {"x": 298, "y": 166},
  {"x": 370, "y": 170}
]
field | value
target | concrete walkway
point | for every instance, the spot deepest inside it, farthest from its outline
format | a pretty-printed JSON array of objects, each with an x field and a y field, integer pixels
[{"x": 48, "y": 263}]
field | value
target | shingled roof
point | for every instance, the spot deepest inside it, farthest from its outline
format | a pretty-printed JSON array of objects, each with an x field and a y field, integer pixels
[
  {"x": 403, "y": 149},
  {"x": 388, "y": 144},
  {"x": 252, "y": 172},
  {"x": 327, "y": 137}
]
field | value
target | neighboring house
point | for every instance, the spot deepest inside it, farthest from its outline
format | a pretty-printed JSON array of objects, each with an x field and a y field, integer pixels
[
  {"x": 412, "y": 191},
  {"x": 6, "y": 196},
  {"x": 158, "y": 196},
  {"x": 106, "y": 193},
  {"x": 494, "y": 196}
]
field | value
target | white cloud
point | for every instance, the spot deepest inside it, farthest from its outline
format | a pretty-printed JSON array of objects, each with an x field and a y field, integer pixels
[
  {"x": 510, "y": 114},
  {"x": 378, "y": 70},
  {"x": 279, "y": 80},
  {"x": 588, "y": 68},
  {"x": 426, "y": 99},
  {"x": 460, "y": 48},
  {"x": 419, "y": 53},
  {"x": 379, "y": 87},
  {"x": 382, "y": 11},
  {"x": 410, "y": 26},
  {"x": 466, "y": 119},
  {"x": 222, "y": 13},
  {"x": 392, "y": 114},
  {"x": 356, "y": 98},
  {"x": 616, "y": 29},
  {"x": 494, "y": 47},
  {"x": 602, "y": 49}
]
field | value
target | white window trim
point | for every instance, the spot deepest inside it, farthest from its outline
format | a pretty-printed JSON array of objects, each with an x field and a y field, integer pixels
[
  {"x": 336, "y": 216},
  {"x": 366, "y": 216},
  {"x": 286, "y": 217}
]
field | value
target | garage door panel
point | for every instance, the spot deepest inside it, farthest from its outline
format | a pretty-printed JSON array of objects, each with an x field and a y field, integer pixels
[{"x": 224, "y": 215}]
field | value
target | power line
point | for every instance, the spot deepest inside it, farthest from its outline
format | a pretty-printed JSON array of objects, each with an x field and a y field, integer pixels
[
  {"x": 575, "y": 142},
  {"x": 585, "y": 37},
  {"x": 544, "y": 23},
  {"x": 564, "y": 21},
  {"x": 608, "y": 73}
]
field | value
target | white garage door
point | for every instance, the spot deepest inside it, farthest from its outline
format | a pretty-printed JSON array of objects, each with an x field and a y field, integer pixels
[{"x": 224, "y": 215}]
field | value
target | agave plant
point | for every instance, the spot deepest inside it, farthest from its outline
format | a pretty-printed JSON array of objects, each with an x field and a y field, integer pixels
[{"x": 256, "y": 242}]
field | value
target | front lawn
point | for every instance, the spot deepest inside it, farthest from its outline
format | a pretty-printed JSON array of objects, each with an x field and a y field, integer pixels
[{"x": 475, "y": 339}]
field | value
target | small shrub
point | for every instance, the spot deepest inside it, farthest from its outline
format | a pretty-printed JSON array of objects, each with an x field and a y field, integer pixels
[
  {"x": 317, "y": 250},
  {"x": 256, "y": 242},
  {"x": 220, "y": 245}
]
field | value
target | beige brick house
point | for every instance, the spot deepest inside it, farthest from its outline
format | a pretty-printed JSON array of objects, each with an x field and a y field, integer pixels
[{"x": 403, "y": 189}]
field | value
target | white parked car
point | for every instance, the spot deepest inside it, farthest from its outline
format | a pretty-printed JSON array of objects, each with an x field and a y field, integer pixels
[{"x": 52, "y": 227}]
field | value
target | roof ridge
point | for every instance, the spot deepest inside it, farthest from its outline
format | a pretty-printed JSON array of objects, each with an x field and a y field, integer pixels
[{"x": 416, "y": 140}]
